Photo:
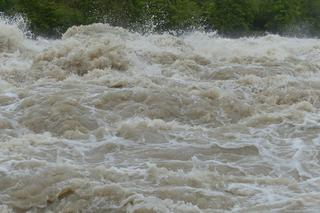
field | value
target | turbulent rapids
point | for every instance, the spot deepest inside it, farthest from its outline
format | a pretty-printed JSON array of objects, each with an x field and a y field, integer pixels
[{"x": 106, "y": 120}]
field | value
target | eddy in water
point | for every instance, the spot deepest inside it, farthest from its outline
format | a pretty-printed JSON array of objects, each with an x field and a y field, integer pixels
[{"x": 105, "y": 120}]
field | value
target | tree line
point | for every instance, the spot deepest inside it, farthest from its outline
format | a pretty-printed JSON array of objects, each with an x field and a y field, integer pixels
[{"x": 228, "y": 17}]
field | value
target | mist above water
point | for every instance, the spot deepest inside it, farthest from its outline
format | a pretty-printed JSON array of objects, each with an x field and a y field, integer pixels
[{"x": 106, "y": 120}]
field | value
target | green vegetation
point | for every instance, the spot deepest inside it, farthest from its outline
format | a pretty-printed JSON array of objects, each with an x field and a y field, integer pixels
[{"x": 229, "y": 17}]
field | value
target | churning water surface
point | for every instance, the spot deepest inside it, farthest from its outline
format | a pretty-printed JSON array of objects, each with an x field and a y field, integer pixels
[{"x": 106, "y": 120}]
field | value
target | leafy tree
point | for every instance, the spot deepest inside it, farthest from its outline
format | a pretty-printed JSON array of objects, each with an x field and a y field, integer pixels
[
  {"x": 283, "y": 14},
  {"x": 184, "y": 13},
  {"x": 232, "y": 16},
  {"x": 311, "y": 16},
  {"x": 229, "y": 17}
]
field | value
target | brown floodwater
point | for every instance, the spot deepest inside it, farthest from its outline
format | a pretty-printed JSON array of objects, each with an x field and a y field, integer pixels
[{"x": 107, "y": 120}]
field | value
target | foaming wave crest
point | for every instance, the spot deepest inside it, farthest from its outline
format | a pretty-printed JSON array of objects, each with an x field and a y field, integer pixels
[
  {"x": 107, "y": 120},
  {"x": 11, "y": 36}
]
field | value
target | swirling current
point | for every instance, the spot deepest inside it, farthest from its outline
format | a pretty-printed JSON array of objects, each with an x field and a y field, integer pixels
[{"x": 108, "y": 120}]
